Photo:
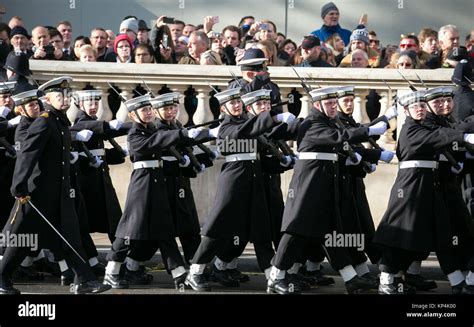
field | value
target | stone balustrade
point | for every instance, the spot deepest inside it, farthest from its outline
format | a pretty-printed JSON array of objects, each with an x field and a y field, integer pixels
[{"x": 180, "y": 77}]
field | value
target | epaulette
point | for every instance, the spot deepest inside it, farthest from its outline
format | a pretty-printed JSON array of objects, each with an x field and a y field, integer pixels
[{"x": 45, "y": 115}]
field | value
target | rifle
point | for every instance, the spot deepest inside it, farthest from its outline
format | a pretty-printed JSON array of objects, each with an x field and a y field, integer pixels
[
  {"x": 10, "y": 149},
  {"x": 348, "y": 149},
  {"x": 452, "y": 161},
  {"x": 282, "y": 158}
]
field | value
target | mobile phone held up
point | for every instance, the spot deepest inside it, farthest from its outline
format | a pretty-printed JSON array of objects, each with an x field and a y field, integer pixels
[
  {"x": 168, "y": 20},
  {"x": 165, "y": 41}
]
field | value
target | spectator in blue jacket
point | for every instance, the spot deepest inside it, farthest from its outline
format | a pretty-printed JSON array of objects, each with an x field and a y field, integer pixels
[{"x": 330, "y": 16}]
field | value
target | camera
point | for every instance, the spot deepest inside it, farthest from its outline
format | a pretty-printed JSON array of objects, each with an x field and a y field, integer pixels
[
  {"x": 168, "y": 20},
  {"x": 49, "y": 49}
]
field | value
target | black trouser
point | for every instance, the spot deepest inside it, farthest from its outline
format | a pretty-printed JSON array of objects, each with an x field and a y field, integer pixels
[
  {"x": 263, "y": 250},
  {"x": 314, "y": 251},
  {"x": 189, "y": 245},
  {"x": 291, "y": 248},
  {"x": 13, "y": 257},
  {"x": 142, "y": 251},
  {"x": 146, "y": 249},
  {"x": 395, "y": 259},
  {"x": 226, "y": 250}
]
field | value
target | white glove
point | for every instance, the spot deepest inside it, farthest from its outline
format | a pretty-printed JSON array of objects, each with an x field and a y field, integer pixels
[
  {"x": 115, "y": 124},
  {"x": 84, "y": 135},
  {"x": 97, "y": 163},
  {"x": 194, "y": 132},
  {"x": 391, "y": 112},
  {"x": 469, "y": 138},
  {"x": 187, "y": 162},
  {"x": 457, "y": 171},
  {"x": 4, "y": 111},
  {"x": 214, "y": 155},
  {"x": 75, "y": 156},
  {"x": 373, "y": 167},
  {"x": 378, "y": 129},
  {"x": 349, "y": 161},
  {"x": 386, "y": 156},
  {"x": 213, "y": 132},
  {"x": 125, "y": 151},
  {"x": 285, "y": 117},
  {"x": 200, "y": 170},
  {"x": 288, "y": 162},
  {"x": 14, "y": 121}
]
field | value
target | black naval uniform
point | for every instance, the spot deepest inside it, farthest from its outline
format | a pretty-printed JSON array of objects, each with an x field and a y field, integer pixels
[
  {"x": 313, "y": 207},
  {"x": 237, "y": 215},
  {"x": 147, "y": 216},
  {"x": 462, "y": 255},
  {"x": 416, "y": 221},
  {"x": 42, "y": 172},
  {"x": 102, "y": 204},
  {"x": 181, "y": 198},
  {"x": 258, "y": 83},
  {"x": 7, "y": 165}
]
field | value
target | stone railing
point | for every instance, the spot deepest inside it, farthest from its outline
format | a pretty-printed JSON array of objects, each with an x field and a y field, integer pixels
[{"x": 180, "y": 77}]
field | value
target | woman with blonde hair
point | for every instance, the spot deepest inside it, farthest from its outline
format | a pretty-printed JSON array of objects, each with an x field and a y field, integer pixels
[{"x": 269, "y": 48}]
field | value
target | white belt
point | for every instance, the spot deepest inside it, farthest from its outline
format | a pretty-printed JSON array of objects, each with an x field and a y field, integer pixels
[
  {"x": 95, "y": 152},
  {"x": 442, "y": 157},
  {"x": 318, "y": 156},
  {"x": 147, "y": 164},
  {"x": 241, "y": 157},
  {"x": 418, "y": 164},
  {"x": 169, "y": 158}
]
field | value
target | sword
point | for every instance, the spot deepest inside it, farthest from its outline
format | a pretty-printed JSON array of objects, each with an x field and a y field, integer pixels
[{"x": 57, "y": 232}]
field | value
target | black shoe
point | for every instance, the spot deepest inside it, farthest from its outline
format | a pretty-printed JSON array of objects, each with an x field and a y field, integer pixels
[
  {"x": 457, "y": 289},
  {"x": 197, "y": 283},
  {"x": 27, "y": 274},
  {"x": 92, "y": 286},
  {"x": 9, "y": 290},
  {"x": 295, "y": 279},
  {"x": 44, "y": 265},
  {"x": 358, "y": 284},
  {"x": 419, "y": 282},
  {"x": 403, "y": 287},
  {"x": 321, "y": 280},
  {"x": 115, "y": 281},
  {"x": 98, "y": 269},
  {"x": 238, "y": 275},
  {"x": 390, "y": 289},
  {"x": 179, "y": 281},
  {"x": 468, "y": 289},
  {"x": 67, "y": 277},
  {"x": 282, "y": 286},
  {"x": 223, "y": 278},
  {"x": 137, "y": 277},
  {"x": 374, "y": 279}
]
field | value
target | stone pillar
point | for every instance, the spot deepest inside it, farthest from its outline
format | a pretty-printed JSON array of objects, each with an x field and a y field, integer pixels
[
  {"x": 104, "y": 112},
  {"x": 401, "y": 113},
  {"x": 127, "y": 94},
  {"x": 387, "y": 141},
  {"x": 74, "y": 110},
  {"x": 183, "y": 116},
  {"x": 360, "y": 111},
  {"x": 203, "y": 112},
  {"x": 306, "y": 105}
]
